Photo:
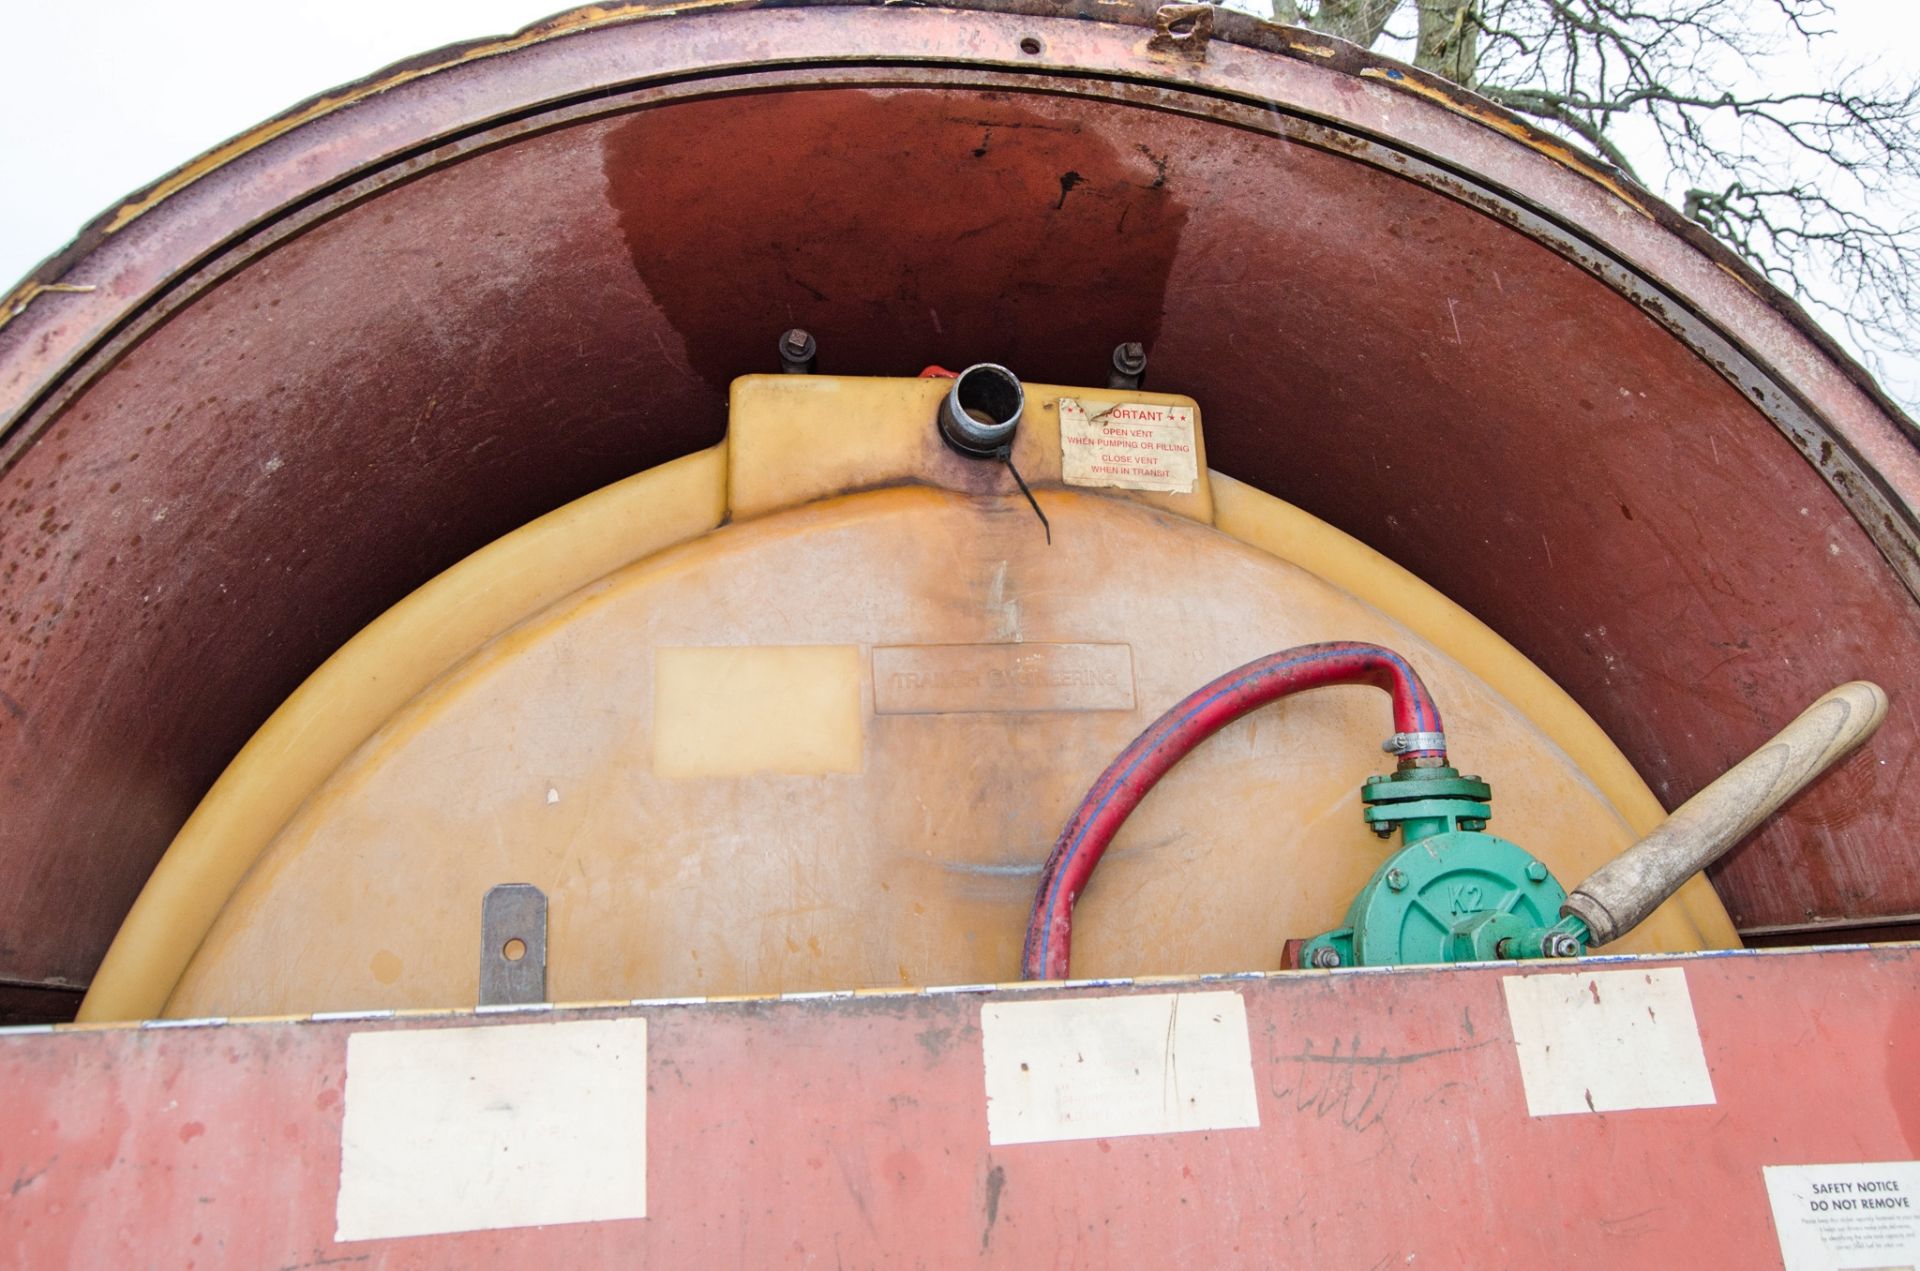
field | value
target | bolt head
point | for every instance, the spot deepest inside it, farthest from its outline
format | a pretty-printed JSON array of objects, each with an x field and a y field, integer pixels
[
  {"x": 1536, "y": 872},
  {"x": 1396, "y": 880},
  {"x": 1326, "y": 958},
  {"x": 1562, "y": 945}
]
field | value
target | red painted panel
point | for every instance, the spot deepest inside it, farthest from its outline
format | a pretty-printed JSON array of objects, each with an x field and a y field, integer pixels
[{"x": 1394, "y": 1131}]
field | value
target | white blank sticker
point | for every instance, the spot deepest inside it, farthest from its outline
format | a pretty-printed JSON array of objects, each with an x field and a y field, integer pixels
[
  {"x": 1607, "y": 1041},
  {"x": 1830, "y": 1217},
  {"x": 471, "y": 1129},
  {"x": 1106, "y": 1067}
]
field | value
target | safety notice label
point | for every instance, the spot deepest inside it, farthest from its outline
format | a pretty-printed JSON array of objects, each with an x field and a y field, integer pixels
[
  {"x": 1834, "y": 1217},
  {"x": 1128, "y": 446}
]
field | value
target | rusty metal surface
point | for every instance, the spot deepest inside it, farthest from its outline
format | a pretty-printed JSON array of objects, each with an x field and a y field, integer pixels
[
  {"x": 857, "y": 1129},
  {"x": 1791, "y": 937},
  {"x": 37, "y": 1004},
  {"x": 381, "y": 332}
]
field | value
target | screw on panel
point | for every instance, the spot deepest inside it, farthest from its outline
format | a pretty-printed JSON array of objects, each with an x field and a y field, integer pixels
[{"x": 1129, "y": 365}]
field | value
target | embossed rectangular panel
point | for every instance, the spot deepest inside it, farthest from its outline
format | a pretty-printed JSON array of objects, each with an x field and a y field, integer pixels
[{"x": 945, "y": 679}]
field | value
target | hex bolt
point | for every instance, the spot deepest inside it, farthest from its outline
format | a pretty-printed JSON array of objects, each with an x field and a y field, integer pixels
[
  {"x": 1325, "y": 958},
  {"x": 1129, "y": 365},
  {"x": 1560, "y": 944},
  {"x": 1536, "y": 872},
  {"x": 797, "y": 351},
  {"x": 1396, "y": 880}
]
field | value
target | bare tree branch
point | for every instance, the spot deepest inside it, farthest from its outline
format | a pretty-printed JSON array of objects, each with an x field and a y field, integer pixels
[
  {"x": 1798, "y": 177},
  {"x": 1447, "y": 41},
  {"x": 1362, "y": 22}
]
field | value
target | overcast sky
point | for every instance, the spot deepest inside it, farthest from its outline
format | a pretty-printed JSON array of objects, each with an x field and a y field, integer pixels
[{"x": 105, "y": 97}]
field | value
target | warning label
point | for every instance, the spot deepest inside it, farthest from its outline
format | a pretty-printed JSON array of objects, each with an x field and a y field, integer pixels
[
  {"x": 1128, "y": 446},
  {"x": 1830, "y": 1217}
]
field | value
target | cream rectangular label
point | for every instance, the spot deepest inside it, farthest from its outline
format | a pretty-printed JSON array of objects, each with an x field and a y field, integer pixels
[
  {"x": 1128, "y": 446},
  {"x": 1845, "y": 1217},
  {"x": 1105, "y": 1067},
  {"x": 471, "y": 1129},
  {"x": 1607, "y": 1041},
  {"x": 951, "y": 679}
]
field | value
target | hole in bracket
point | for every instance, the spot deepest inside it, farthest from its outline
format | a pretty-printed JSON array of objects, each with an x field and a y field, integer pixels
[
  {"x": 514, "y": 949},
  {"x": 1032, "y": 46}
]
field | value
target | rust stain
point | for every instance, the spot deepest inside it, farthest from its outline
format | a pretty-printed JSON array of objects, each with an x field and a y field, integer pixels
[
  {"x": 1740, "y": 277},
  {"x": 1509, "y": 125},
  {"x": 31, "y": 291}
]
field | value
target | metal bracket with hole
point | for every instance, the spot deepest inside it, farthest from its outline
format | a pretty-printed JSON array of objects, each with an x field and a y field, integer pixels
[
  {"x": 513, "y": 945},
  {"x": 1183, "y": 29}
]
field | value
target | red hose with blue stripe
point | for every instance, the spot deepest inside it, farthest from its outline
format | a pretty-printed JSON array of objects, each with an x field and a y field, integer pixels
[{"x": 1169, "y": 739}]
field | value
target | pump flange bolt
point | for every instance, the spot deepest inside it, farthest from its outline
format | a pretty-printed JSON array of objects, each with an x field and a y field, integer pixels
[
  {"x": 1560, "y": 944},
  {"x": 1536, "y": 872},
  {"x": 1326, "y": 959},
  {"x": 1396, "y": 880}
]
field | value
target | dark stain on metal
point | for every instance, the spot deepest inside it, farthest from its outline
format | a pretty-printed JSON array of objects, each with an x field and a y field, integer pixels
[
  {"x": 996, "y": 1183},
  {"x": 852, "y": 227}
]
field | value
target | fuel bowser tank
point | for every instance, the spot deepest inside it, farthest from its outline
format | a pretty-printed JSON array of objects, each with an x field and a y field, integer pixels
[
  {"x": 415, "y": 498},
  {"x": 1033, "y": 632}
]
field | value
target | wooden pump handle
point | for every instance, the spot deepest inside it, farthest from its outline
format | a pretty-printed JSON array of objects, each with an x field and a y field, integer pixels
[{"x": 1626, "y": 889}]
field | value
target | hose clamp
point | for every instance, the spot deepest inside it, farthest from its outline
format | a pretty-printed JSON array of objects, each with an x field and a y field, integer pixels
[{"x": 1414, "y": 743}]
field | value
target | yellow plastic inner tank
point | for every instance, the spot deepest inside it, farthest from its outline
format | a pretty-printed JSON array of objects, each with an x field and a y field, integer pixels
[{"x": 806, "y": 711}]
